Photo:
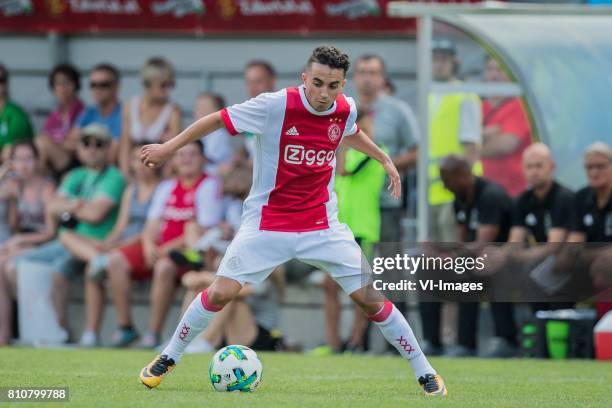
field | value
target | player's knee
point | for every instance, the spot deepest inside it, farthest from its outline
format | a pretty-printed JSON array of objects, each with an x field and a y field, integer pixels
[{"x": 221, "y": 294}]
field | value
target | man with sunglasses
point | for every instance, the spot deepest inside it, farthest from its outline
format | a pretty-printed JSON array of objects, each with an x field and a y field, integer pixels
[
  {"x": 592, "y": 221},
  {"x": 86, "y": 202},
  {"x": 104, "y": 85}
]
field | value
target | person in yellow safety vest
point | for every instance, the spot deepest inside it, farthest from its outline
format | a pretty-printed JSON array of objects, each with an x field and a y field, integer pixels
[{"x": 455, "y": 128}]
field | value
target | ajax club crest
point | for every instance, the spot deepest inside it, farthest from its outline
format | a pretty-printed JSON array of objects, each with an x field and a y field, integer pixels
[{"x": 334, "y": 130}]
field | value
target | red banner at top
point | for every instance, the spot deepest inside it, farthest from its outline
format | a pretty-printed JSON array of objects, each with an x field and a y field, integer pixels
[{"x": 227, "y": 17}]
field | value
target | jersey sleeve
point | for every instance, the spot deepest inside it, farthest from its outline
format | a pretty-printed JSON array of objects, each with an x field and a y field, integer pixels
[
  {"x": 209, "y": 203},
  {"x": 351, "y": 127},
  {"x": 160, "y": 198},
  {"x": 249, "y": 116}
]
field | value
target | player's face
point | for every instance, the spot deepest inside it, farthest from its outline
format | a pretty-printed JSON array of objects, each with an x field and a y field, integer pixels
[
  {"x": 189, "y": 161},
  {"x": 369, "y": 76},
  {"x": 493, "y": 72},
  {"x": 538, "y": 169},
  {"x": 258, "y": 81},
  {"x": 442, "y": 66},
  {"x": 598, "y": 169},
  {"x": 103, "y": 87},
  {"x": 322, "y": 85}
]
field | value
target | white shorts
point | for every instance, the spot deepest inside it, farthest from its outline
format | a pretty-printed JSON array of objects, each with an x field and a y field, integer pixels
[{"x": 253, "y": 255}]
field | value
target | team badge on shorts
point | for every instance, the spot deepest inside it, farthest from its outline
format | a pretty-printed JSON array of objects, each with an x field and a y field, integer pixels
[
  {"x": 234, "y": 262},
  {"x": 333, "y": 132}
]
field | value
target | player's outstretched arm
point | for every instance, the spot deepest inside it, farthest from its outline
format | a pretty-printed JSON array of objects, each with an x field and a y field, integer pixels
[
  {"x": 156, "y": 154},
  {"x": 360, "y": 141}
]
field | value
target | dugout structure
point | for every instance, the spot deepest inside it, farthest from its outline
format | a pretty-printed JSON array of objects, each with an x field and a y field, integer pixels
[{"x": 560, "y": 58}]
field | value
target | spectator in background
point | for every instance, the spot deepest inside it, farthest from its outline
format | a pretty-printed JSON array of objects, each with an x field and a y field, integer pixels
[
  {"x": 592, "y": 220},
  {"x": 33, "y": 226},
  {"x": 133, "y": 211},
  {"x": 541, "y": 214},
  {"x": 151, "y": 117},
  {"x": 218, "y": 146},
  {"x": 192, "y": 201},
  {"x": 359, "y": 183},
  {"x": 483, "y": 211},
  {"x": 106, "y": 110},
  {"x": 57, "y": 153},
  {"x": 455, "y": 127},
  {"x": 259, "y": 77},
  {"x": 505, "y": 136},
  {"x": 15, "y": 124},
  {"x": 395, "y": 127},
  {"x": 204, "y": 251},
  {"x": 87, "y": 203}
]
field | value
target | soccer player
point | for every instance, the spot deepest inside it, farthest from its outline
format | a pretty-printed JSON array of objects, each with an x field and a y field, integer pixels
[{"x": 291, "y": 211}]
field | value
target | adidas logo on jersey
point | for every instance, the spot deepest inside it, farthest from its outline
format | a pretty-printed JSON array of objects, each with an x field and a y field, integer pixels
[{"x": 292, "y": 131}]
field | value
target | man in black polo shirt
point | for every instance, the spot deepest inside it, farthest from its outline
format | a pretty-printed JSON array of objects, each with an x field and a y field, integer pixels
[
  {"x": 592, "y": 221},
  {"x": 483, "y": 211},
  {"x": 542, "y": 214}
]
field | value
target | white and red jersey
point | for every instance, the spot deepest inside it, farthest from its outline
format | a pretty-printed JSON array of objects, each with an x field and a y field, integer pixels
[
  {"x": 294, "y": 164},
  {"x": 175, "y": 205}
]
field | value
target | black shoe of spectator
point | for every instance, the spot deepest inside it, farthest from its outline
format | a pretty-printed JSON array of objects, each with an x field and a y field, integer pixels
[{"x": 188, "y": 258}]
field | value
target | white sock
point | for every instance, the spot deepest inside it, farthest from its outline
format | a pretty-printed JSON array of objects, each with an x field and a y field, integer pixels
[
  {"x": 194, "y": 321},
  {"x": 397, "y": 331}
]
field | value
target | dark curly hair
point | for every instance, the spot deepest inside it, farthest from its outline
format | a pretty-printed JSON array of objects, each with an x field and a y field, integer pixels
[
  {"x": 330, "y": 56},
  {"x": 69, "y": 71}
]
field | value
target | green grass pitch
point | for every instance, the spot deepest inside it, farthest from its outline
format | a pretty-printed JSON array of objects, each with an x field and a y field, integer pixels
[{"x": 108, "y": 378}]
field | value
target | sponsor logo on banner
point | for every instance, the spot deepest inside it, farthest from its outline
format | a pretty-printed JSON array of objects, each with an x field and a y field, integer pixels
[
  {"x": 178, "y": 8},
  {"x": 353, "y": 9},
  {"x": 226, "y": 9},
  {"x": 56, "y": 8},
  {"x": 11, "y": 8},
  {"x": 97, "y": 6},
  {"x": 275, "y": 7}
]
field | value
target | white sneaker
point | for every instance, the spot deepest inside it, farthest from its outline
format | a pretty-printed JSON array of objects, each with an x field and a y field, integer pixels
[{"x": 89, "y": 339}]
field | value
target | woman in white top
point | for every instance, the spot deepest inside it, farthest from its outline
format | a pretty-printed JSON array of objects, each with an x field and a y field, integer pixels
[{"x": 151, "y": 117}]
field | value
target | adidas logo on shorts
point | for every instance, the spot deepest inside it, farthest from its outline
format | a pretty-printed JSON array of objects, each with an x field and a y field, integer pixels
[{"x": 292, "y": 132}]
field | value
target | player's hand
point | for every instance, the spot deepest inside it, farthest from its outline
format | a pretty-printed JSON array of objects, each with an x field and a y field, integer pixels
[
  {"x": 395, "y": 183},
  {"x": 154, "y": 155}
]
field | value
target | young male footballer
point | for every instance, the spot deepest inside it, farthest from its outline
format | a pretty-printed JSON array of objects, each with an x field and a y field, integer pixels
[{"x": 291, "y": 210}]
